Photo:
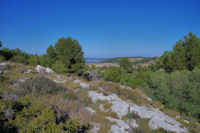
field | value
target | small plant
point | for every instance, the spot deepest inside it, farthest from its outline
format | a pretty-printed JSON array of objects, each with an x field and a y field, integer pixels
[{"x": 40, "y": 85}]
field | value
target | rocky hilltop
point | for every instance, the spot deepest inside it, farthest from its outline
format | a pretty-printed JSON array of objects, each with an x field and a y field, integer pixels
[{"x": 105, "y": 106}]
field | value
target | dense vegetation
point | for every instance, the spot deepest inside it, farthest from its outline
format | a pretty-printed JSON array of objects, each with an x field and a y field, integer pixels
[
  {"x": 173, "y": 80},
  {"x": 185, "y": 55},
  {"x": 65, "y": 57}
]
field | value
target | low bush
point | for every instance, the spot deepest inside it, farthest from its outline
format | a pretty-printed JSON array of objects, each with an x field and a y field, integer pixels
[
  {"x": 41, "y": 85},
  {"x": 178, "y": 90}
]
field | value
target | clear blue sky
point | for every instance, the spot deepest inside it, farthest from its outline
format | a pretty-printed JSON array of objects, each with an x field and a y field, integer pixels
[{"x": 104, "y": 28}]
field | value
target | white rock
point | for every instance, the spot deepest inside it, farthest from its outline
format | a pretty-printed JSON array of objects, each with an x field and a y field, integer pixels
[
  {"x": 23, "y": 80},
  {"x": 76, "y": 81},
  {"x": 186, "y": 121},
  {"x": 59, "y": 82},
  {"x": 84, "y": 85},
  {"x": 48, "y": 70},
  {"x": 100, "y": 88},
  {"x": 28, "y": 71},
  {"x": 133, "y": 124},
  {"x": 120, "y": 127},
  {"x": 3, "y": 64},
  {"x": 125, "y": 87},
  {"x": 90, "y": 110},
  {"x": 96, "y": 128},
  {"x": 157, "y": 118},
  {"x": 40, "y": 68},
  {"x": 102, "y": 108}
]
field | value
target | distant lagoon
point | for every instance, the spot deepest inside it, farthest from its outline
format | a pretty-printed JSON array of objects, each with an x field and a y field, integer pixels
[{"x": 92, "y": 62}]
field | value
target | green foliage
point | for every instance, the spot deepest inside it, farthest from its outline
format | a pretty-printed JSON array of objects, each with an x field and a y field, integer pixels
[
  {"x": 14, "y": 55},
  {"x": 185, "y": 55},
  {"x": 178, "y": 90},
  {"x": 51, "y": 55},
  {"x": 0, "y": 44},
  {"x": 112, "y": 74},
  {"x": 126, "y": 65},
  {"x": 40, "y": 85},
  {"x": 59, "y": 67},
  {"x": 65, "y": 57},
  {"x": 136, "y": 79},
  {"x": 34, "y": 60},
  {"x": 69, "y": 52}
]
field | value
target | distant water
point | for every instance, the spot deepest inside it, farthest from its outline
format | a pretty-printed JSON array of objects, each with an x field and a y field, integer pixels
[{"x": 91, "y": 62}]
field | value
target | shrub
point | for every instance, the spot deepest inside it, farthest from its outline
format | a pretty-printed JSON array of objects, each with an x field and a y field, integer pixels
[
  {"x": 126, "y": 65},
  {"x": 113, "y": 74},
  {"x": 178, "y": 90},
  {"x": 41, "y": 85}
]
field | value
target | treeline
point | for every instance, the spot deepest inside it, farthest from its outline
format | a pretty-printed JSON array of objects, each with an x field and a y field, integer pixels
[
  {"x": 65, "y": 57},
  {"x": 185, "y": 55}
]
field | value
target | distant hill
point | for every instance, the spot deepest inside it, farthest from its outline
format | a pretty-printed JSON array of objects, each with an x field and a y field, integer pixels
[{"x": 137, "y": 60}]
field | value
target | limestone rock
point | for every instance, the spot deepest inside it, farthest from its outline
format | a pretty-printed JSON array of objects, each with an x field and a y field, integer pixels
[
  {"x": 40, "y": 68},
  {"x": 90, "y": 110},
  {"x": 48, "y": 70},
  {"x": 157, "y": 118}
]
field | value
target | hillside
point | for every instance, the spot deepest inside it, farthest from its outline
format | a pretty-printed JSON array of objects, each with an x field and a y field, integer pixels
[
  {"x": 50, "y": 102},
  {"x": 138, "y": 61}
]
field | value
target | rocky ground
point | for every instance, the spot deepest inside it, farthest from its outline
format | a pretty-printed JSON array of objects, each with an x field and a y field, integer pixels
[{"x": 113, "y": 108}]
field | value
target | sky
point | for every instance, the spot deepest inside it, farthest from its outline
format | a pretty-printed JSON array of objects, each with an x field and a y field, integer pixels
[{"x": 104, "y": 28}]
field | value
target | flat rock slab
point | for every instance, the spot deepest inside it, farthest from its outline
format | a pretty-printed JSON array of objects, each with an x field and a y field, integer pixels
[{"x": 157, "y": 118}]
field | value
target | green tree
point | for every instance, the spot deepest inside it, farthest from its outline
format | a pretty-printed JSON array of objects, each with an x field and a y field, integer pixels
[
  {"x": 51, "y": 55},
  {"x": 126, "y": 65},
  {"x": 185, "y": 54},
  {"x": 59, "y": 67},
  {"x": 70, "y": 53},
  {"x": 0, "y": 44},
  {"x": 33, "y": 60}
]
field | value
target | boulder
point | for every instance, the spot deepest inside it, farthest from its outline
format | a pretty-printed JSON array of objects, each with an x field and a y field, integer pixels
[
  {"x": 40, "y": 68},
  {"x": 3, "y": 66},
  {"x": 48, "y": 70},
  {"x": 92, "y": 76}
]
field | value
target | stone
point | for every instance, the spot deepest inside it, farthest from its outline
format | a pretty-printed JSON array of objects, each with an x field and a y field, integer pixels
[
  {"x": 76, "y": 81},
  {"x": 132, "y": 123},
  {"x": 186, "y": 121},
  {"x": 120, "y": 127},
  {"x": 102, "y": 108},
  {"x": 50, "y": 71},
  {"x": 95, "y": 128},
  {"x": 3, "y": 66},
  {"x": 90, "y": 110},
  {"x": 84, "y": 85},
  {"x": 157, "y": 118},
  {"x": 125, "y": 87},
  {"x": 92, "y": 76},
  {"x": 40, "y": 68},
  {"x": 28, "y": 71},
  {"x": 59, "y": 81},
  {"x": 23, "y": 80}
]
